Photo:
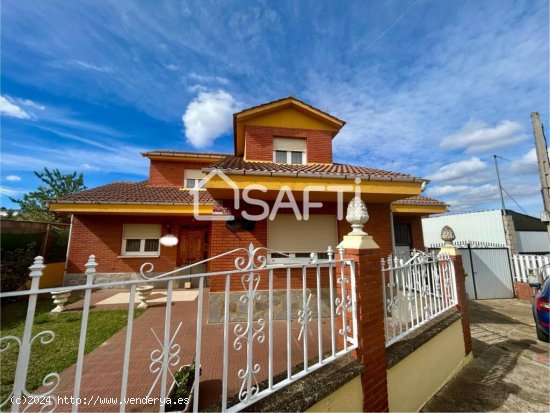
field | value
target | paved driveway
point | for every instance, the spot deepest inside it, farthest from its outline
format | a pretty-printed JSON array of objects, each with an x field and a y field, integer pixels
[{"x": 510, "y": 371}]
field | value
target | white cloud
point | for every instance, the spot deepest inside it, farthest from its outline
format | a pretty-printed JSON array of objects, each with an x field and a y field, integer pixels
[
  {"x": 445, "y": 190},
  {"x": 207, "y": 117},
  {"x": 9, "y": 192},
  {"x": 13, "y": 178},
  {"x": 8, "y": 108},
  {"x": 207, "y": 79},
  {"x": 30, "y": 103},
  {"x": 526, "y": 165},
  {"x": 33, "y": 157},
  {"x": 477, "y": 137},
  {"x": 88, "y": 167},
  {"x": 79, "y": 64},
  {"x": 459, "y": 170},
  {"x": 530, "y": 158}
]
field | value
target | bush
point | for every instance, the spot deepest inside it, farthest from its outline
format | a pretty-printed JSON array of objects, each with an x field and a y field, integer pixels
[
  {"x": 184, "y": 379},
  {"x": 14, "y": 268}
]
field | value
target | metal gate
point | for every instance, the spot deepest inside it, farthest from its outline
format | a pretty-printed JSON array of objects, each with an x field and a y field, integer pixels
[
  {"x": 490, "y": 273},
  {"x": 488, "y": 268}
]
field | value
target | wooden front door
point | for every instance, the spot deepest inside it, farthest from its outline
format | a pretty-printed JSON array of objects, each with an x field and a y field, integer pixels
[{"x": 192, "y": 246}]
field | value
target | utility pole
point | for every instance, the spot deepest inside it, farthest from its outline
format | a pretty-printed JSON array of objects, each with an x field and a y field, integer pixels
[{"x": 544, "y": 167}]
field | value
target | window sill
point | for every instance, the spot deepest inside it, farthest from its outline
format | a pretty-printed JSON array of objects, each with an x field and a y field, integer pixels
[{"x": 139, "y": 256}]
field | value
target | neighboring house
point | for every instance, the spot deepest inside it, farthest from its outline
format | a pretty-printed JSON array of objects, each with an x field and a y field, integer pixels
[{"x": 282, "y": 144}]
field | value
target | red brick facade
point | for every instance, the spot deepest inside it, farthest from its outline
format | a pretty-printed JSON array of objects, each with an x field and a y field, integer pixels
[
  {"x": 259, "y": 143},
  {"x": 523, "y": 291},
  {"x": 463, "y": 302},
  {"x": 170, "y": 173},
  {"x": 370, "y": 324},
  {"x": 101, "y": 235}
]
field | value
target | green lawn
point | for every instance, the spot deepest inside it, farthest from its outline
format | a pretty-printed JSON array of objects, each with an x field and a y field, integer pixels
[{"x": 60, "y": 353}]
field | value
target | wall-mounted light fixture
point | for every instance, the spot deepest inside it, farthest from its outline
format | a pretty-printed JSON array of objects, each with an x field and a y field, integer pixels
[{"x": 169, "y": 240}]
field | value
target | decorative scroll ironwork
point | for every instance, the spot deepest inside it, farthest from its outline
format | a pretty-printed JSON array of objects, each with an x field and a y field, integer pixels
[
  {"x": 344, "y": 303},
  {"x": 50, "y": 381},
  {"x": 305, "y": 315},
  {"x": 415, "y": 291},
  {"x": 157, "y": 357},
  {"x": 166, "y": 355}
]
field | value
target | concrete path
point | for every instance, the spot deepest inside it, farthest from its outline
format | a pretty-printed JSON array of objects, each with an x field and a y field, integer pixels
[{"x": 510, "y": 371}]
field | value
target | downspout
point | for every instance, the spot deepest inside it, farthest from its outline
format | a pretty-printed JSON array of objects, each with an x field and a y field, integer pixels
[
  {"x": 392, "y": 233},
  {"x": 68, "y": 249}
]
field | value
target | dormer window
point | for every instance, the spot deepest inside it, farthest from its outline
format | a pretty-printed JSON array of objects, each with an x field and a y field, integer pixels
[
  {"x": 193, "y": 178},
  {"x": 291, "y": 151}
]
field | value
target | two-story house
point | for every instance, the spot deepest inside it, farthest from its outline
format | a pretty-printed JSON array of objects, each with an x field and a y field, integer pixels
[{"x": 282, "y": 149}]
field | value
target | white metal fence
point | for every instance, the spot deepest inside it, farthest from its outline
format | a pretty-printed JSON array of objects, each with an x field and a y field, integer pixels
[
  {"x": 524, "y": 263},
  {"x": 415, "y": 291},
  {"x": 331, "y": 338}
]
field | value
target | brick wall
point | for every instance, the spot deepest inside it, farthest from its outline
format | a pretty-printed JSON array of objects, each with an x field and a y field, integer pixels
[
  {"x": 462, "y": 302},
  {"x": 259, "y": 143},
  {"x": 101, "y": 236},
  {"x": 370, "y": 325},
  {"x": 523, "y": 291},
  {"x": 170, "y": 173},
  {"x": 378, "y": 226}
]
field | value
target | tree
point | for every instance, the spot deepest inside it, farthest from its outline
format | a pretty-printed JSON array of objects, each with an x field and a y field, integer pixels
[
  {"x": 14, "y": 268},
  {"x": 34, "y": 205}
]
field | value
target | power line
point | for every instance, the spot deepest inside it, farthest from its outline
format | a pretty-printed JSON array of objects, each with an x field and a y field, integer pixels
[
  {"x": 512, "y": 198},
  {"x": 519, "y": 163}
]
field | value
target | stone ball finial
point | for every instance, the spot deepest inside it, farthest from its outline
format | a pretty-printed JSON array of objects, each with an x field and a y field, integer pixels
[
  {"x": 357, "y": 215},
  {"x": 447, "y": 235}
]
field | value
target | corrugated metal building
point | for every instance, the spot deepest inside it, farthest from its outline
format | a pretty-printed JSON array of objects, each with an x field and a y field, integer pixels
[
  {"x": 487, "y": 238},
  {"x": 528, "y": 234},
  {"x": 483, "y": 226}
]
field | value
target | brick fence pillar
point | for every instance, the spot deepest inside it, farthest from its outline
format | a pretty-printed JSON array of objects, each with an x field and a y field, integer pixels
[
  {"x": 447, "y": 235},
  {"x": 361, "y": 248}
]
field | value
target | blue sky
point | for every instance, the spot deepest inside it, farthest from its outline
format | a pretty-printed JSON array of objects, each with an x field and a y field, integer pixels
[{"x": 429, "y": 87}]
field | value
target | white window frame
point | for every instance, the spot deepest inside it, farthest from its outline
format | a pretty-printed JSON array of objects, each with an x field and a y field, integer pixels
[
  {"x": 291, "y": 259},
  {"x": 141, "y": 252},
  {"x": 199, "y": 182},
  {"x": 289, "y": 157},
  {"x": 290, "y": 145}
]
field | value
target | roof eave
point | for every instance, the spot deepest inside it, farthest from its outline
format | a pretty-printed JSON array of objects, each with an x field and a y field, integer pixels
[{"x": 297, "y": 174}]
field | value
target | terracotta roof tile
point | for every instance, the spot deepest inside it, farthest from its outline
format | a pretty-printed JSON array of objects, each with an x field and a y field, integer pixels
[
  {"x": 420, "y": 200},
  {"x": 135, "y": 193},
  {"x": 237, "y": 163}
]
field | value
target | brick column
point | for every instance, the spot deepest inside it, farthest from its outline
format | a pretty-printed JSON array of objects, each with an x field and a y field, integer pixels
[
  {"x": 462, "y": 305},
  {"x": 370, "y": 313},
  {"x": 462, "y": 301}
]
